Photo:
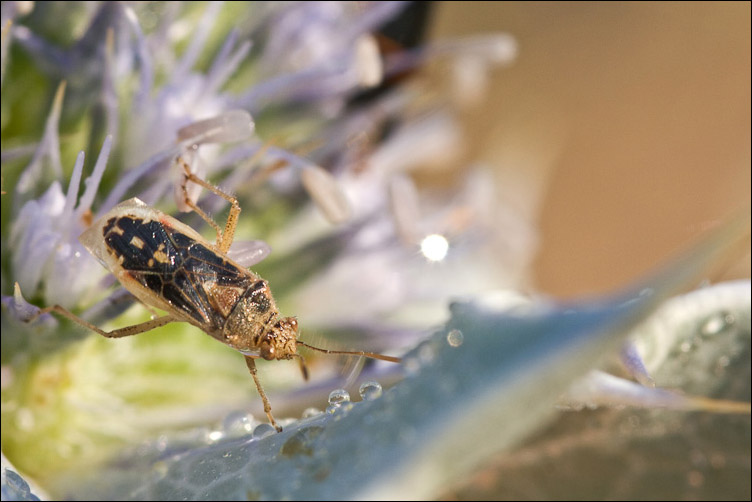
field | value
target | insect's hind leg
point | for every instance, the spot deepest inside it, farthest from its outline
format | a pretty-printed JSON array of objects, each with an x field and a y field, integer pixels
[
  {"x": 117, "y": 333},
  {"x": 224, "y": 238},
  {"x": 267, "y": 407}
]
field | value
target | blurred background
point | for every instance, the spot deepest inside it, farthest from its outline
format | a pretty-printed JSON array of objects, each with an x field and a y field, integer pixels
[
  {"x": 623, "y": 128},
  {"x": 621, "y": 131}
]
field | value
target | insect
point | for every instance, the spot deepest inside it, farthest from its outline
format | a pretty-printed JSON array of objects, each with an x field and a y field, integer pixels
[{"x": 168, "y": 265}]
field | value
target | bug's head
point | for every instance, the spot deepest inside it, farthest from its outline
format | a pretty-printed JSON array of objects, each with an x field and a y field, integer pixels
[{"x": 280, "y": 341}]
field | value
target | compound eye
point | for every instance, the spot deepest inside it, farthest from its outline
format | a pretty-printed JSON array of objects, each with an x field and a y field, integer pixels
[{"x": 267, "y": 352}]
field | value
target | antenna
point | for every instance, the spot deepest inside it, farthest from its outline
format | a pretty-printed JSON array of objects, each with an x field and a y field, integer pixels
[{"x": 372, "y": 355}]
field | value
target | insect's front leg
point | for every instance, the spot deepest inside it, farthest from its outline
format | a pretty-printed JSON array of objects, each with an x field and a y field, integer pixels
[
  {"x": 267, "y": 407},
  {"x": 116, "y": 333},
  {"x": 224, "y": 238}
]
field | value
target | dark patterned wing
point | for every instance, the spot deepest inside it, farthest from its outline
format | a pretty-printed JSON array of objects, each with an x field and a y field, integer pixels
[{"x": 177, "y": 268}]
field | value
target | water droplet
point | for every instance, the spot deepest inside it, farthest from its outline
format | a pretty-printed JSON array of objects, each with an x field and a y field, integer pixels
[
  {"x": 686, "y": 346},
  {"x": 455, "y": 338},
  {"x": 263, "y": 430},
  {"x": 215, "y": 436},
  {"x": 716, "y": 323},
  {"x": 311, "y": 412},
  {"x": 238, "y": 423},
  {"x": 370, "y": 390},
  {"x": 338, "y": 397}
]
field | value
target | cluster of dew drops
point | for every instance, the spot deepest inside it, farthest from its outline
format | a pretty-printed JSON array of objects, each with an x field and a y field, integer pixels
[
  {"x": 339, "y": 399},
  {"x": 242, "y": 424}
]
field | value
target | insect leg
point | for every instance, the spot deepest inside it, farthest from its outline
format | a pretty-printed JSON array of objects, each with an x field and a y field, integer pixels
[
  {"x": 116, "y": 333},
  {"x": 184, "y": 186},
  {"x": 224, "y": 238},
  {"x": 267, "y": 407}
]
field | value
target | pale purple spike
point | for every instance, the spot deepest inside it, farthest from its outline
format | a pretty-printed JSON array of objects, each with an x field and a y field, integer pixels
[
  {"x": 276, "y": 88},
  {"x": 109, "y": 93},
  {"x": 11, "y": 10},
  {"x": 92, "y": 182},
  {"x": 9, "y": 154},
  {"x": 324, "y": 57},
  {"x": 228, "y": 127},
  {"x": 17, "y": 305},
  {"x": 35, "y": 236},
  {"x": 403, "y": 202},
  {"x": 319, "y": 84},
  {"x": 293, "y": 160},
  {"x": 493, "y": 49},
  {"x": 373, "y": 16},
  {"x": 198, "y": 39},
  {"x": 249, "y": 253},
  {"x": 157, "y": 190},
  {"x": 226, "y": 62},
  {"x": 159, "y": 44},
  {"x": 132, "y": 176},
  {"x": 224, "y": 51},
  {"x": 306, "y": 26},
  {"x": 48, "y": 146},
  {"x": 146, "y": 72},
  {"x": 75, "y": 183},
  {"x": 601, "y": 389},
  {"x": 361, "y": 125},
  {"x": 633, "y": 362},
  {"x": 435, "y": 140},
  {"x": 237, "y": 154},
  {"x": 324, "y": 189},
  {"x": 44, "y": 53},
  {"x": 71, "y": 272},
  {"x": 326, "y": 193},
  {"x": 113, "y": 305}
]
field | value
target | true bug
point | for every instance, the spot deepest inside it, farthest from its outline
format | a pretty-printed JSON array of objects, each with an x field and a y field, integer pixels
[{"x": 166, "y": 264}]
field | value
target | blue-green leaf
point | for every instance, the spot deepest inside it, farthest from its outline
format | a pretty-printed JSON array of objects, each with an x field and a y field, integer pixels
[{"x": 458, "y": 405}]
